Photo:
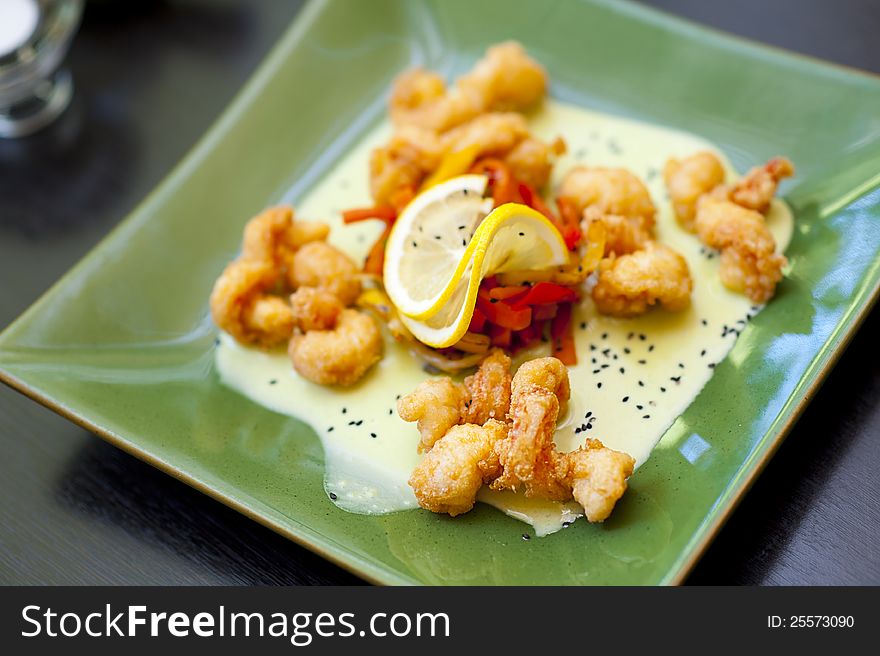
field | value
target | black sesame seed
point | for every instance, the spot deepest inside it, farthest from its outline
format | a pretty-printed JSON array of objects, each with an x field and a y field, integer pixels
[
  {"x": 643, "y": 362},
  {"x": 415, "y": 245},
  {"x": 333, "y": 496},
  {"x": 592, "y": 347},
  {"x": 461, "y": 227},
  {"x": 681, "y": 365},
  {"x": 675, "y": 379},
  {"x": 605, "y": 352},
  {"x": 604, "y": 335},
  {"x": 605, "y": 366},
  {"x": 583, "y": 427},
  {"x": 711, "y": 365},
  {"x": 641, "y": 384},
  {"x": 577, "y": 430},
  {"x": 640, "y": 407},
  {"x": 663, "y": 389},
  {"x": 522, "y": 234},
  {"x": 599, "y": 385},
  {"x": 351, "y": 423},
  {"x": 330, "y": 430},
  {"x": 646, "y": 416},
  {"x": 625, "y": 399},
  {"x": 593, "y": 360},
  {"x": 390, "y": 411},
  {"x": 589, "y": 414},
  {"x": 614, "y": 356},
  {"x": 630, "y": 336},
  {"x": 704, "y": 322},
  {"x": 596, "y": 371},
  {"x": 397, "y": 397},
  {"x": 642, "y": 337},
  {"x": 583, "y": 325},
  {"x": 438, "y": 237},
  {"x": 344, "y": 410},
  {"x": 372, "y": 435},
  {"x": 626, "y": 350},
  {"x": 650, "y": 348},
  {"x": 622, "y": 370},
  {"x": 274, "y": 381},
  {"x": 589, "y": 426},
  {"x": 359, "y": 422},
  {"x": 464, "y": 242},
  {"x": 703, "y": 353}
]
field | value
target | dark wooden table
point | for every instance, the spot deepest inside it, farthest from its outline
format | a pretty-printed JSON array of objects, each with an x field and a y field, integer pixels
[{"x": 151, "y": 76}]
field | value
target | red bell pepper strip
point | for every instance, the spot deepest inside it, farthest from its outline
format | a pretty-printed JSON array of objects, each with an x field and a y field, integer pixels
[
  {"x": 381, "y": 212},
  {"x": 543, "y": 312},
  {"x": 502, "y": 314},
  {"x": 547, "y": 292},
  {"x": 508, "y": 293},
  {"x": 478, "y": 321},
  {"x": 533, "y": 199},
  {"x": 375, "y": 261},
  {"x": 562, "y": 333},
  {"x": 500, "y": 336},
  {"x": 503, "y": 185}
]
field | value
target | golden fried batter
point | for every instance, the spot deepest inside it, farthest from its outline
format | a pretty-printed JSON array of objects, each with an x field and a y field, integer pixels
[
  {"x": 531, "y": 161},
  {"x": 749, "y": 261},
  {"x": 597, "y": 476},
  {"x": 623, "y": 234},
  {"x": 340, "y": 356},
  {"x": 437, "y": 404},
  {"x": 688, "y": 179},
  {"x": 450, "y": 475},
  {"x": 506, "y": 78},
  {"x": 242, "y": 305},
  {"x": 629, "y": 285},
  {"x": 320, "y": 265},
  {"x": 548, "y": 373},
  {"x": 410, "y": 155},
  {"x": 488, "y": 390},
  {"x": 610, "y": 191},
  {"x": 314, "y": 309},
  {"x": 756, "y": 188}
]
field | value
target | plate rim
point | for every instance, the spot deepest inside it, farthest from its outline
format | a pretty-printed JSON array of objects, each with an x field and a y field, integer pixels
[{"x": 369, "y": 571}]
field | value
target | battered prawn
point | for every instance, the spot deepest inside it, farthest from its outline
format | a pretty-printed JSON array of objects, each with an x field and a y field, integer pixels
[
  {"x": 755, "y": 190},
  {"x": 410, "y": 155},
  {"x": 320, "y": 265},
  {"x": 506, "y": 78},
  {"x": 688, "y": 179},
  {"x": 594, "y": 475},
  {"x": 488, "y": 390},
  {"x": 622, "y": 234},
  {"x": 629, "y": 285},
  {"x": 449, "y": 476},
  {"x": 242, "y": 304},
  {"x": 749, "y": 261},
  {"x": 314, "y": 309},
  {"x": 274, "y": 236},
  {"x": 437, "y": 404},
  {"x": 548, "y": 373},
  {"x": 338, "y": 356},
  {"x": 610, "y": 191}
]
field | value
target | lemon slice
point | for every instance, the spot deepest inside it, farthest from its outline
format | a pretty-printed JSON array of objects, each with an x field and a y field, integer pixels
[
  {"x": 512, "y": 237},
  {"x": 426, "y": 251}
]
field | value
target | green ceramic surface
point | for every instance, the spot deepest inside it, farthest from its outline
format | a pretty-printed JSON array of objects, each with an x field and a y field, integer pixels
[{"x": 123, "y": 343}]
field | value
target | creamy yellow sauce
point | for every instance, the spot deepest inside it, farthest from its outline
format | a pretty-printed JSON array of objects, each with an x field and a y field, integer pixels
[{"x": 634, "y": 376}]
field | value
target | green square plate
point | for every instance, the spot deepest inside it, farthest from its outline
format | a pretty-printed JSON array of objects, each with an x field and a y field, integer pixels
[{"x": 124, "y": 346}]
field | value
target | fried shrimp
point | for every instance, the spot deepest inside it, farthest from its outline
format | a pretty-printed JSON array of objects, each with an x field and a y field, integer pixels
[
  {"x": 274, "y": 236},
  {"x": 597, "y": 476},
  {"x": 242, "y": 304},
  {"x": 594, "y": 475},
  {"x": 629, "y": 285},
  {"x": 325, "y": 267},
  {"x": 688, "y": 179},
  {"x": 610, "y": 191},
  {"x": 411, "y": 153},
  {"x": 314, "y": 309},
  {"x": 488, "y": 390},
  {"x": 548, "y": 373},
  {"x": 450, "y": 475},
  {"x": 756, "y": 189},
  {"x": 505, "y": 79},
  {"x": 341, "y": 355},
  {"x": 622, "y": 234},
  {"x": 437, "y": 405},
  {"x": 749, "y": 261}
]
